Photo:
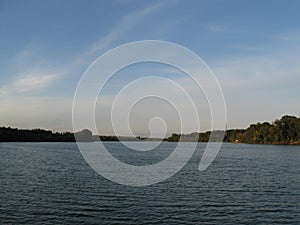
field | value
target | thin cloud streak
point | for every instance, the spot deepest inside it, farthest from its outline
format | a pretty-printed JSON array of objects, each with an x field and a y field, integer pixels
[
  {"x": 39, "y": 79},
  {"x": 126, "y": 24},
  {"x": 31, "y": 81}
]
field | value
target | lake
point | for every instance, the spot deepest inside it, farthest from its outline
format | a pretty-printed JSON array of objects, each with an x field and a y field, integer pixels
[{"x": 50, "y": 183}]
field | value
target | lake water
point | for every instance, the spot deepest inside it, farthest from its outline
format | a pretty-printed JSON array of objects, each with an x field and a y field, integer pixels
[{"x": 50, "y": 183}]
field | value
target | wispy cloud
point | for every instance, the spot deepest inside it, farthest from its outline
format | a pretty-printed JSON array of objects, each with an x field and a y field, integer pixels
[
  {"x": 124, "y": 2},
  {"x": 264, "y": 73},
  {"x": 127, "y": 23},
  {"x": 31, "y": 81},
  {"x": 215, "y": 28},
  {"x": 218, "y": 28},
  {"x": 34, "y": 82},
  {"x": 288, "y": 37}
]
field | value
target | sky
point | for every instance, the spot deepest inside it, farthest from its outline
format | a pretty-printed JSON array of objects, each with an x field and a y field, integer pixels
[{"x": 253, "y": 48}]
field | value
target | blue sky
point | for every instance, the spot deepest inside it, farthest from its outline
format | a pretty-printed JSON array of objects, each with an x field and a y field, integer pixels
[{"x": 253, "y": 48}]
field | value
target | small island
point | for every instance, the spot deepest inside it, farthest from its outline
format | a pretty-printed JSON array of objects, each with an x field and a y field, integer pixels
[{"x": 285, "y": 131}]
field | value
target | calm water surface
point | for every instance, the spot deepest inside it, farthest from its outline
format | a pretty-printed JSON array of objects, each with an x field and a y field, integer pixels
[{"x": 50, "y": 183}]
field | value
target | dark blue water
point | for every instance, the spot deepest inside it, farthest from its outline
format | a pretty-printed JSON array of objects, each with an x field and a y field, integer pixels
[{"x": 50, "y": 183}]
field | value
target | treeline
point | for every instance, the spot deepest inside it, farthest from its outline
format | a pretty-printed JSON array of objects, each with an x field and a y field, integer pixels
[
  {"x": 283, "y": 131},
  {"x": 8, "y": 134}
]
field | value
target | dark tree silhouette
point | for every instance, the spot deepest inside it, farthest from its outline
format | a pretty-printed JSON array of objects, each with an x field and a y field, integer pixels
[{"x": 283, "y": 131}]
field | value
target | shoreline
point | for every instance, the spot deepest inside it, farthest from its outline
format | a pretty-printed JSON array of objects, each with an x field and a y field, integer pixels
[
  {"x": 285, "y": 131},
  {"x": 224, "y": 142}
]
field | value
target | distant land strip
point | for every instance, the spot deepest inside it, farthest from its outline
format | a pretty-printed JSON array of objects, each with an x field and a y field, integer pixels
[{"x": 282, "y": 131}]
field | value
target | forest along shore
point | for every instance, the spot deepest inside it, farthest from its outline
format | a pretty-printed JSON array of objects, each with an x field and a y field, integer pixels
[{"x": 285, "y": 131}]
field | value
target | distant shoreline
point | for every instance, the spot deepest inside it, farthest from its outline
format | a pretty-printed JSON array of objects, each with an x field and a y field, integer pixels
[
  {"x": 278, "y": 144},
  {"x": 285, "y": 131}
]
